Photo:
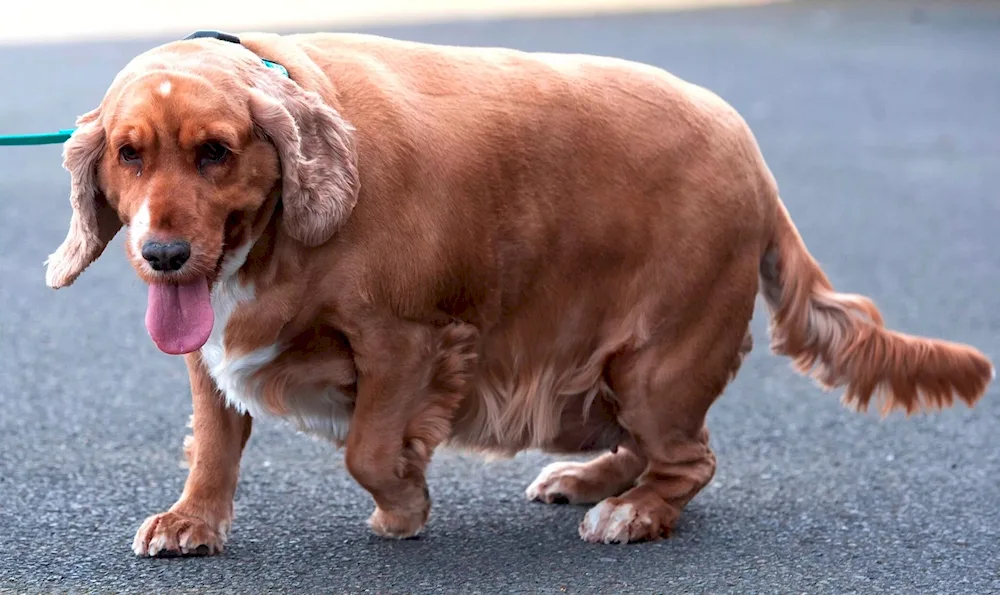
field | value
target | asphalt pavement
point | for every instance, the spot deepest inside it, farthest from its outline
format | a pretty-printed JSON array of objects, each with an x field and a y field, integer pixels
[{"x": 879, "y": 119}]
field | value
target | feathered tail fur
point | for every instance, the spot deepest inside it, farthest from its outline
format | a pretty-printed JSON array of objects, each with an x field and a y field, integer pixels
[{"x": 840, "y": 340}]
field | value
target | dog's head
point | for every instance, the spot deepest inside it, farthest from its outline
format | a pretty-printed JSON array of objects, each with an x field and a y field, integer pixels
[{"x": 194, "y": 145}]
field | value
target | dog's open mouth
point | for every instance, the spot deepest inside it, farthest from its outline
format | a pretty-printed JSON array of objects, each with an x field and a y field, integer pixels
[{"x": 179, "y": 317}]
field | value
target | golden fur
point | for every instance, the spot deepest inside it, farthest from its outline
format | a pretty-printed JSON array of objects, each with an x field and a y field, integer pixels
[{"x": 414, "y": 245}]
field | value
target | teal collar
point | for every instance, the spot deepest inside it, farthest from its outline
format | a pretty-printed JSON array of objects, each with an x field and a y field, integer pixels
[
  {"x": 233, "y": 39},
  {"x": 52, "y": 138}
]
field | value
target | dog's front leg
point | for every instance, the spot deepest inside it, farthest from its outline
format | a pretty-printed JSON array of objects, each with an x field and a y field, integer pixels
[
  {"x": 411, "y": 379},
  {"x": 198, "y": 523}
]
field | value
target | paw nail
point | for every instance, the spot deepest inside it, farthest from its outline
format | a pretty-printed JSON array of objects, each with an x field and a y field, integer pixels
[{"x": 165, "y": 554}]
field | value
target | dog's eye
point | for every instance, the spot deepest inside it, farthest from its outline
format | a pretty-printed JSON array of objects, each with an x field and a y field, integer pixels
[
  {"x": 211, "y": 152},
  {"x": 128, "y": 154}
]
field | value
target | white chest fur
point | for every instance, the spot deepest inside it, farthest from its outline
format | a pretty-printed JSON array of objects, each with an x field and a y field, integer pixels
[{"x": 322, "y": 413}]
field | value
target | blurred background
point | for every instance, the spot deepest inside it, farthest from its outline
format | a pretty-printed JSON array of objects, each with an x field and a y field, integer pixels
[
  {"x": 104, "y": 19},
  {"x": 880, "y": 121}
]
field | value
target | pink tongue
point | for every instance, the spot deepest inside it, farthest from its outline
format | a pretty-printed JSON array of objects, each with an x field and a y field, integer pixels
[{"x": 179, "y": 318}]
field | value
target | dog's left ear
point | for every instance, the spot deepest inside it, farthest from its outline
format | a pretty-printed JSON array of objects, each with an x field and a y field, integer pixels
[
  {"x": 94, "y": 223},
  {"x": 318, "y": 160}
]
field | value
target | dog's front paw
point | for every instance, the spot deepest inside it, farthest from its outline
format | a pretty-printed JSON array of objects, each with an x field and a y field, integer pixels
[
  {"x": 399, "y": 524},
  {"x": 171, "y": 534}
]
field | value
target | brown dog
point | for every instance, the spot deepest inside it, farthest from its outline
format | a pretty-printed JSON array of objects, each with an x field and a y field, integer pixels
[{"x": 399, "y": 246}]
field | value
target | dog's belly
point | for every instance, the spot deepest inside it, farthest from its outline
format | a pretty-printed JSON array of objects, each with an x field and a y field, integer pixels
[
  {"x": 503, "y": 418},
  {"x": 531, "y": 396}
]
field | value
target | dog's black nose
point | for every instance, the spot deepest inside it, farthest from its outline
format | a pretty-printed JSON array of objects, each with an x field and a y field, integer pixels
[{"x": 166, "y": 256}]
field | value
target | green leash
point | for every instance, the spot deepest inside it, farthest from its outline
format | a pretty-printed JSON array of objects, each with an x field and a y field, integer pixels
[
  {"x": 45, "y": 138},
  {"x": 54, "y": 138}
]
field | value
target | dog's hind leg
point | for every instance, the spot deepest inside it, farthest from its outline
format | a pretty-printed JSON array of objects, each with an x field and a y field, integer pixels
[
  {"x": 610, "y": 474},
  {"x": 665, "y": 389},
  {"x": 589, "y": 482}
]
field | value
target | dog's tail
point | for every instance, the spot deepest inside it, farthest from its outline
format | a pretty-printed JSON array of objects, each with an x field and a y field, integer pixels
[{"x": 840, "y": 340}]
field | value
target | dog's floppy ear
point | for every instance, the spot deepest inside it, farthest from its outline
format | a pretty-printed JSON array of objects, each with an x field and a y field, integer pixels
[
  {"x": 320, "y": 182},
  {"x": 93, "y": 223}
]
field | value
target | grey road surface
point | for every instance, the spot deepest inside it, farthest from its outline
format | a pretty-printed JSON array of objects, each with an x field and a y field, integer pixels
[{"x": 882, "y": 123}]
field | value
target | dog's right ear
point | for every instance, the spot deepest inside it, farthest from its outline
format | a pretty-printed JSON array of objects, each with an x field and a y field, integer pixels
[{"x": 93, "y": 223}]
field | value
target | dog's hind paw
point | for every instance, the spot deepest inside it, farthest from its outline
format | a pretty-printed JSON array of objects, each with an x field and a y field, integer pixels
[
  {"x": 617, "y": 520},
  {"x": 570, "y": 483}
]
